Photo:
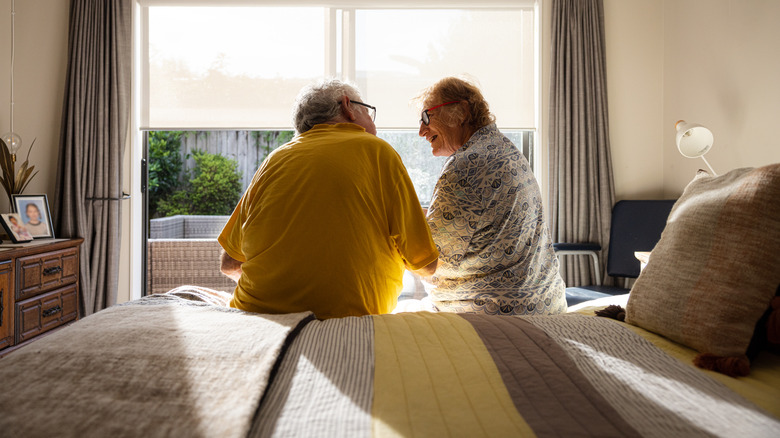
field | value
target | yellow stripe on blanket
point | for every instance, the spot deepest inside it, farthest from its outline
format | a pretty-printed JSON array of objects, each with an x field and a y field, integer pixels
[{"x": 434, "y": 377}]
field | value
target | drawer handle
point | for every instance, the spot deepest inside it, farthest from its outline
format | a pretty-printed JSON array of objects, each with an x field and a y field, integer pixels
[
  {"x": 53, "y": 270},
  {"x": 49, "y": 312}
]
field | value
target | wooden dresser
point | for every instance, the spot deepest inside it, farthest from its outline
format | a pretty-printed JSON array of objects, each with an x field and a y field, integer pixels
[{"x": 39, "y": 289}]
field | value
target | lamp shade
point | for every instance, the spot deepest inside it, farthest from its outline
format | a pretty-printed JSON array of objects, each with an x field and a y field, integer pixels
[{"x": 693, "y": 140}]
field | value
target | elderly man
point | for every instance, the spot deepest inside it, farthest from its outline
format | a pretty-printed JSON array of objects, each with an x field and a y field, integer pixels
[{"x": 330, "y": 220}]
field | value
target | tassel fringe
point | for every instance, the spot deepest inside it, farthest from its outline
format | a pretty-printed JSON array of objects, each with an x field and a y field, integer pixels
[
  {"x": 612, "y": 311},
  {"x": 732, "y": 366}
]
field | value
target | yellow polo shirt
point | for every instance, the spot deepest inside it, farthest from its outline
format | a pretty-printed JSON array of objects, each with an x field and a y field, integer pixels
[{"x": 326, "y": 225}]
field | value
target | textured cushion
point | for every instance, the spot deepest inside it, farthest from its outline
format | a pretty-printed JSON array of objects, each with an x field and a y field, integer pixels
[{"x": 715, "y": 270}]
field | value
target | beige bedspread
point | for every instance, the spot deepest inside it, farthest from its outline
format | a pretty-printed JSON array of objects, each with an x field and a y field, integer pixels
[{"x": 164, "y": 365}]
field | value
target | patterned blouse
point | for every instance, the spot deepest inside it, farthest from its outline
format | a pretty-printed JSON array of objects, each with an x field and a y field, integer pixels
[{"x": 496, "y": 255}]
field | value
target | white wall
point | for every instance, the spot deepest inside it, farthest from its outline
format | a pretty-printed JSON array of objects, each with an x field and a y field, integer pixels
[
  {"x": 721, "y": 69},
  {"x": 713, "y": 62},
  {"x": 635, "y": 59},
  {"x": 41, "y": 41}
]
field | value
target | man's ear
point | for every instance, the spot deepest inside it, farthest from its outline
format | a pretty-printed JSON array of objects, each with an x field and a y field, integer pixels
[{"x": 347, "y": 110}]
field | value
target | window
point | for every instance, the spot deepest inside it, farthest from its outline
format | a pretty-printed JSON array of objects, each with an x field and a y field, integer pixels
[
  {"x": 229, "y": 67},
  {"x": 398, "y": 52},
  {"x": 210, "y": 67}
]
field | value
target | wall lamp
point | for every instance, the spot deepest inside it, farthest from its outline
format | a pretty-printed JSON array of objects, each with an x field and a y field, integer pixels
[{"x": 693, "y": 141}]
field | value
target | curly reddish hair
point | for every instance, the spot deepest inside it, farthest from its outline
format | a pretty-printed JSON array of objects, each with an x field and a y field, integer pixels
[{"x": 459, "y": 89}]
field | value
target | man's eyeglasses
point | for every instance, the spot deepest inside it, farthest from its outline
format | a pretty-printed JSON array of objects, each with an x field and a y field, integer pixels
[
  {"x": 371, "y": 109},
  {"x": 425, "y": 118}
]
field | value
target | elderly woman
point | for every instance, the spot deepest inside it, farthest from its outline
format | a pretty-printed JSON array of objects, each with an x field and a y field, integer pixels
[{"x": 486, "y": 218}]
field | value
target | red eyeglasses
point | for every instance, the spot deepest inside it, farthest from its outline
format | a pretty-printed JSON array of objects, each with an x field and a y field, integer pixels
[{"x": 425, "y": 118}]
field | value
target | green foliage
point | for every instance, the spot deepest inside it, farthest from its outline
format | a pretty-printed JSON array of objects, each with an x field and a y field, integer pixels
[
  {"x": 165, "y": 165},
  {"x": 176, "y": 203},
  {"x": 214, "y": 188}
]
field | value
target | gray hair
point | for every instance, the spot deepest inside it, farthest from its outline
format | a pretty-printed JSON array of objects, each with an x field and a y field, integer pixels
[{"x": 319, "y": 103}]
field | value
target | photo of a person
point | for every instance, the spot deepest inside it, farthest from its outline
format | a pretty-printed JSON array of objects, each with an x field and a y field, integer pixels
[
  {"x": 33, "y": 212},
  {"x": 34, "y": 221},
  {"x": 15, "y": 228}
]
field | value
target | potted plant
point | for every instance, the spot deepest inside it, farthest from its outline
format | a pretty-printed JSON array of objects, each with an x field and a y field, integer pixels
[{"x": 14, "y": 181}]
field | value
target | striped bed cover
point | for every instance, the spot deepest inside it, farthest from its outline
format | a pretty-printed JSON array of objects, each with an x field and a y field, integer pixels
[{"x": 434, "y": 374}]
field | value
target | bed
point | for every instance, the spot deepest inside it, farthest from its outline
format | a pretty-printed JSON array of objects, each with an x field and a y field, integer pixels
[{"x": 183, "y": 363}]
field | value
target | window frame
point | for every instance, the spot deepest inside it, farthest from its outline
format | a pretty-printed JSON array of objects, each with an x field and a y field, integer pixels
[{"x": 135, "y": 160}]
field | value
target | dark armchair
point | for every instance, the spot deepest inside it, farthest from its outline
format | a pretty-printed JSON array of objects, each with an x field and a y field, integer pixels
[{"x": 635, "y": 226}]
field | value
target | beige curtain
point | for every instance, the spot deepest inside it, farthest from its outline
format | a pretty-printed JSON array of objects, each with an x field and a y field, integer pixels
[
  {"x": 96, "y": 114},
  {"x": 581, "y": 184}
]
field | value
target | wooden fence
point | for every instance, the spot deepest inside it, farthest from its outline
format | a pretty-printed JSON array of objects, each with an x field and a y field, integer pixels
[{"x": 248, "y": 148}]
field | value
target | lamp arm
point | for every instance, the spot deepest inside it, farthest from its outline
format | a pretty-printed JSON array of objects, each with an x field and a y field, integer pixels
[{"x": 708, "y": 165}]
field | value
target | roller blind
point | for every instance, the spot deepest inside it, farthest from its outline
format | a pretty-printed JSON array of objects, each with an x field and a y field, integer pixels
[
  {"x": 240, "y": 66},
  {"x": 400, "y": 52}
]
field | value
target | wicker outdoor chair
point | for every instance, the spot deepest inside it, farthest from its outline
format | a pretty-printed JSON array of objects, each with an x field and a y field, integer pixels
[{"x": 176, "y": 262}]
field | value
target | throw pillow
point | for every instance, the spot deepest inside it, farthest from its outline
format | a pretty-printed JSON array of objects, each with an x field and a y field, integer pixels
[{"x": 715, "y": 269}]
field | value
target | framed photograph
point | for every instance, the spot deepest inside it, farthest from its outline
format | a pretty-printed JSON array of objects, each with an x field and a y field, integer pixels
[
  {"x": 34, "y": 213},
  {"x": 14, "y": 227}
]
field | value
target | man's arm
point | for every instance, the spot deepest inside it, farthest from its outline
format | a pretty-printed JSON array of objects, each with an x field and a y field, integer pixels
[{"x": 230, "y": 266}]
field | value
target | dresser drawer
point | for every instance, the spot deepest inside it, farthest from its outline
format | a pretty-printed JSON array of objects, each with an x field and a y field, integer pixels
[
  {"x": 45, "y": 312},
  {"x": 43, "y": 272},
  {"x": 6, "y": 305}
]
